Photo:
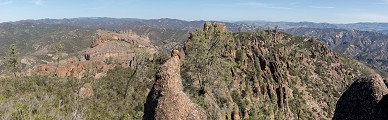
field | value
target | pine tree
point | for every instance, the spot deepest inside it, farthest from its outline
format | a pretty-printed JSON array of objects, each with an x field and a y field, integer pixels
[{"x": 13, "y": 62}]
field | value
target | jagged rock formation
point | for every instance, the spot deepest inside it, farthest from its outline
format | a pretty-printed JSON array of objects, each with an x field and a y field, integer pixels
[
  {"x": 109, "y": 49},
  {"x": 71, "y": 67},
  {"x": 264, "y": 74},
  {"x": 213, "y": 26},
  {"x": 124, "y": 35},
  {"x": 166, "y": 100},
  {"x": 365, "y": 99}
]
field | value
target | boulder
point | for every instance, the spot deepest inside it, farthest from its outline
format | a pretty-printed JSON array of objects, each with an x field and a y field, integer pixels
[
  {"x": 362, "y": 100},
  {"x": 86, "y": 91}
]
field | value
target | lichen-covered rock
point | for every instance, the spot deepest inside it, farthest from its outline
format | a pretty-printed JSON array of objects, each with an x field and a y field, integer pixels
[
  {"x": 167, "y": 101},
  {"x": 361, "y": 100}
]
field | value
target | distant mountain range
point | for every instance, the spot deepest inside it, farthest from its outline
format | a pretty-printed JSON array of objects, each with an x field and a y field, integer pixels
[
  {"x": 377, "y": 27},
  {"x": 366, "y": 46},
  {"x": 125, "y": 23}
]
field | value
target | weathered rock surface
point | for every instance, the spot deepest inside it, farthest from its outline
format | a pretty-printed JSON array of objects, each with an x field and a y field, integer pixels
[
  {"x": 365, "y": 99},
  {"x": 86, "y": 91},
  {"x": 208, "y": 26},
  {"x": 124, "y": 35},
  {"x": 264, "y": 75},
  {"x": 109, "y": 49},
  {"x": 167, "y": 101}
]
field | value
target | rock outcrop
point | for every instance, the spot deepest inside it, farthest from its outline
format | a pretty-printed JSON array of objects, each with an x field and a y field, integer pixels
[
  {"x": 111, "y": 48},
  {"x": 208, "y": 26},
  {"x": 365, "y": 99},
  {"x": 166, "y": 100},
  {"x": 86, "y": 91},
  {"x": 124, "y": 35}
]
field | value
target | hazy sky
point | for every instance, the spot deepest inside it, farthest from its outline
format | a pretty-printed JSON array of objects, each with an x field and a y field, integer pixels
[{"x": 332, "y": 11}]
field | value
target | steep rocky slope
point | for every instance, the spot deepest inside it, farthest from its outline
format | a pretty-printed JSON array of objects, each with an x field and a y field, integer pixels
[
  {"x": 369, "y": 47},
  {"x": 166, "y": 100},
  {"x": 365, "y": 99},
  {"x": 264, "y": 75}
]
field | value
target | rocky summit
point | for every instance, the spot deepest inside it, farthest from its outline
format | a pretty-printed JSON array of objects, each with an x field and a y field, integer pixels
[
  {"x": 365, "y": 99},
  {"x": 166, "y": 100}
]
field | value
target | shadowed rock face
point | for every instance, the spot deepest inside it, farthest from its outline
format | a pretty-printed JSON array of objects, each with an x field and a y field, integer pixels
[
  {"x": 365, "y": 99},
  {"x": 383, "y": 107},
  {"x": 166, "y": 100}
]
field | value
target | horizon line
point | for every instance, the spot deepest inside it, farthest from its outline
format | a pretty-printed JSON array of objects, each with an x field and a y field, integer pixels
[{"x": 226, "y": 21}]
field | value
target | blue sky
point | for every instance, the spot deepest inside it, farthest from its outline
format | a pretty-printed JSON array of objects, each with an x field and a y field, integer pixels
[{"x": 331, "y": 11}]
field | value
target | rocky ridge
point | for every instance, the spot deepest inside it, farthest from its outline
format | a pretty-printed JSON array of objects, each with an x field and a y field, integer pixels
[
  {"x": 264, "y": 75},
  {"x": 110, "y": 48},
  {"x": 166, "y": 100}
]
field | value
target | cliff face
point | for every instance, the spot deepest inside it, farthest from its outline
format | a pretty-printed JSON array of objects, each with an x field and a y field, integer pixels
[
  {"x": 166, "y": 100},
  {"x": 365, "y": 99}
]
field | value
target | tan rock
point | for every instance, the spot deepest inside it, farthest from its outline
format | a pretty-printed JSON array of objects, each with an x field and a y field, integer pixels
[
  {"x": 235, "y": 114},
  {"x": 208, "y": 26},
  {"x": 220, "y": 26},
  {"x": 175, "y": 53},
  {"x": 86, "y": 91},
  {"x": 61, "y": 71},
  {"x": 167, "y": 101}
]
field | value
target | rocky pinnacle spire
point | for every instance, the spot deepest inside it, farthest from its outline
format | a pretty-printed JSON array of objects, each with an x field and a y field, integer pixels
[{"x": 166, "y": 100}]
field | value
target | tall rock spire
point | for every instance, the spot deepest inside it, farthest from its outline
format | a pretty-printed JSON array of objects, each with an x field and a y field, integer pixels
[{"x": 166, "y": 100}]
